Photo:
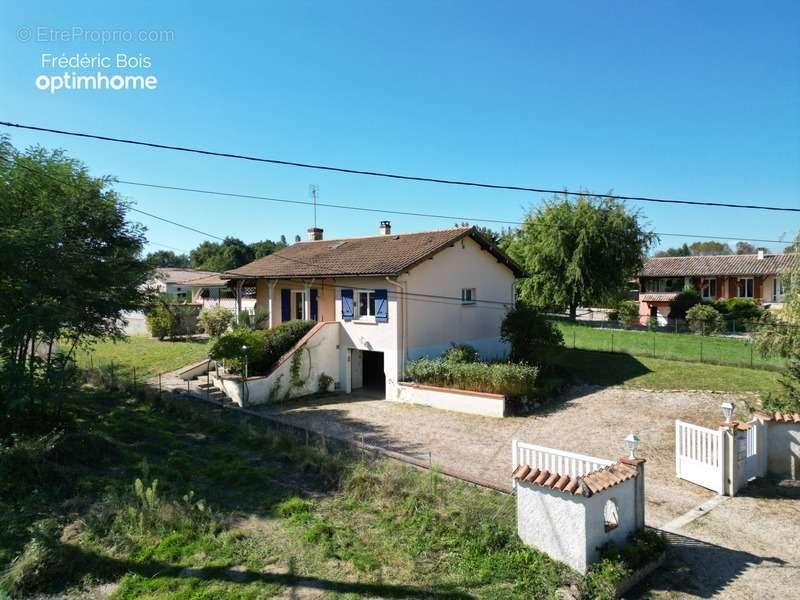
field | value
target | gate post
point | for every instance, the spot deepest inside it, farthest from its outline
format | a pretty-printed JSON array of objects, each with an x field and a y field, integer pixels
[{"x": 729, "y": 474}]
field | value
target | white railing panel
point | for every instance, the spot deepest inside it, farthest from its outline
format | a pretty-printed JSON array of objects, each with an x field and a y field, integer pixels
[{"x": 558, "y": 461}]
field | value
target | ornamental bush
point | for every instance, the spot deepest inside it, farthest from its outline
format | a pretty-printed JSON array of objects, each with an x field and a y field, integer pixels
[
  {"x": 533, "y": 338},
  {"x": 216, "y": 320},
  {"x": 704, "y": 319},
  {"x": 509, "y": 379},
  {"x": 741, "y": 312},
  {"x": 264, "y": 348},
  {"x": 461, "y": 353},
  {"x": 627, "y": 314},
  {"x": 683, "y": 302}
]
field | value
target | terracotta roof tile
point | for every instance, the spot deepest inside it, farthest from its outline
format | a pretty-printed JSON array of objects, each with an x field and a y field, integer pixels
[
  {"x": 658, "y": 296},
  {"x": 728, "y": 264},
  {"x": 365, "y": 256},
  {"x": 591, "y": 483},
  {"x": 780, "y": 417}
]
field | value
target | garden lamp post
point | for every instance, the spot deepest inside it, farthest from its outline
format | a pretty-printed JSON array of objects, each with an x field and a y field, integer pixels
[
  {"x": 632, "y": 443},
  {"x": 727, "y": 411},
  {"x": 244, "y": 351}
]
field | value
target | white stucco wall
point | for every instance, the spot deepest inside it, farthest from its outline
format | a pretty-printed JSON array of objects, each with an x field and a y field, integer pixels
[
  {"x": 433, "y": 326},
  {"x": 366, "y": 335},
  {"x": 783, "y": 449},
  {"x": 570, "y": 528},
  {"x": 318, "y": 354},
  {"x": 487, "y": 405}
]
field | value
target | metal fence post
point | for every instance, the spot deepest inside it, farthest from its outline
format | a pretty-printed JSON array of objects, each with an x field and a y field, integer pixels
[
  {"x": 612, "y": 340},
  {"x": 701, "y": 348},
  {"x": 654, "y": 344},
  {"x": 751, "y": 354},
  {"x": 134, "y": 379}
]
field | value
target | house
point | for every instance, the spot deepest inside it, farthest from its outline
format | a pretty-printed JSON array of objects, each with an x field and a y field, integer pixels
[
  {"x": 202, "y": 288},
  {"x": 388, "y": 298},
  {"x": 756, "y": 277}
]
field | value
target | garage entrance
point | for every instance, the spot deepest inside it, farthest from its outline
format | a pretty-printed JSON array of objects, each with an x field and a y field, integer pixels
[{"x": 374, "y": 377}]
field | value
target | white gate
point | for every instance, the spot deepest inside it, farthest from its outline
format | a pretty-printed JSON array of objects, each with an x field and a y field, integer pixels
[
  {"x": 700, "y": 456},
  {"x": 747, "y": 451}
]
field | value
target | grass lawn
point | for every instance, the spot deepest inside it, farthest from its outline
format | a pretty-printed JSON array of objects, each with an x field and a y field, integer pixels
[
  {"x": 677, "y": 346},
  {"x": 148, "y": 355},
  {"x": 607, "y": 368},
  {"x": 238, "y": 514}
]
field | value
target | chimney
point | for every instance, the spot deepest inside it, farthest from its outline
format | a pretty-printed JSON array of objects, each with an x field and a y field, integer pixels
[
  {"x": 385, "y": 228},
  {"x": 314, "y": 234},
  {"x": 760, "y": 252}
]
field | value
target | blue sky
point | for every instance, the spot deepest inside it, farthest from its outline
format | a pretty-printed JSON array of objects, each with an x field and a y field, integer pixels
[{"x": 667, "y": 99}]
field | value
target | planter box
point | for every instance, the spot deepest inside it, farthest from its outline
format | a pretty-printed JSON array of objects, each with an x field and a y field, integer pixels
[{"x": 472, "y": 403}]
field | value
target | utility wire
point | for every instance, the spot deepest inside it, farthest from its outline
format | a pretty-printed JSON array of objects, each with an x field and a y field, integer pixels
[
  {"x": 395, "y": 212},
  {"x": 303, "y": 165}
]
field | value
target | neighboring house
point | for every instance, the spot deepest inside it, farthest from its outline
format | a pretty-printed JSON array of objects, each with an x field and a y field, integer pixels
[
  {"x": 756, "y": 277},
  {"x": 392, "y": 298},
  {"x": 204, "y": 288}
]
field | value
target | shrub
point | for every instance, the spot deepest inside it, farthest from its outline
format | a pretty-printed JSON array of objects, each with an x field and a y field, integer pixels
[
  {"x": 627, "y": 314},
  {"x": 228, "y": 347},
  {"x": 704, "y": 319},
  {"x": 683, "y": 302},
  {"x": 324, "y": 382},
  {"x": 533, "y": 338},
  {"x": 461, "y": 353},
  {"x": 216, "y": 320},
  {"x": 510, "y": 379},
  {"x": 264, "y": 348},
  {"x": 170, "y": 319},
  {"x": 743, "y": 313}
]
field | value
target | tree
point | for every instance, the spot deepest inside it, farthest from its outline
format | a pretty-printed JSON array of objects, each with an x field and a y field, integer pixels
[
  {"x": 229, "y": 254},
  {"x": 704, "y": 319},
  {"x": 267, "y": 247},
  {"x": 578, "y": 252},
  {"x": 709, "y": 248},
  {"x": 745, "y": 248},
  {"x": 683, "y": 250},
  {"x": 533, "y": 339},
  {"x": 71, "y": 267},
  {"x": 167, "y": 258},
  {"x": 781, "y": 335}
]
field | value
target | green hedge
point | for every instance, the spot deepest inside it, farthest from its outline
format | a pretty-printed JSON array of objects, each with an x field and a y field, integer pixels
[
  {"x": 264, "y": 348},
  {"x": 509, "y": 379}
]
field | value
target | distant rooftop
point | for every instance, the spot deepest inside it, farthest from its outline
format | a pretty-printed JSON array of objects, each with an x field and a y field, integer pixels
[{"x": 725, "y": 264}]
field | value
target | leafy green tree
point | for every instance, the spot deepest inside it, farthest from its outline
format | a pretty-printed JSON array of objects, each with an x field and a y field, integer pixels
[
  {"x": 167, "y": 258},
  {"x": 533, "y": 339},
  {"x": 267, "y": 247},
  {"x": 578, "y": 251},
  {"x": 71, "y": 266},
  {"x": 745, "y": 248},
  {"x": 710, "y": 248},
  {"x": 683, "y": 250},
  {"x": 223, "y": 256}
]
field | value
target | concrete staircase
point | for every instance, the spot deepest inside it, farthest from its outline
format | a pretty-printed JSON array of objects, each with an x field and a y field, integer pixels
[{"x": 210, "y": 391}]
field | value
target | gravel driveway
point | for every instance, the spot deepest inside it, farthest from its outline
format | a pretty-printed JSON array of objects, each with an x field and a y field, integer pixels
[{"x": 590, "y": 420}]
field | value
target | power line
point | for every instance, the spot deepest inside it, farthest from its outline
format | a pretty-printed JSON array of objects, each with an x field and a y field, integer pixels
[
  {"x": 303, "y": 165},
  {"x": 392, "y": 211}
]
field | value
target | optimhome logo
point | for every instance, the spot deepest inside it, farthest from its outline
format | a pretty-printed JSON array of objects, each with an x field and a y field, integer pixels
[{"x": 97, "y": 79}]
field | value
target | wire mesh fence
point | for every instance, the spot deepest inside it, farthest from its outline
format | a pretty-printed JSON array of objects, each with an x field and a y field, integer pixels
[{"x": 672, "y": 340}]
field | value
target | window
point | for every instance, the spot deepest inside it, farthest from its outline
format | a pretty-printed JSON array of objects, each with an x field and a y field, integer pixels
[
  {"x": 708, "y": 288},
  {"x": 365, "y": 304},
  {"x": 674, "y": 284},
  {"x": 468, "y": 296},
  {"x": 745, "y": 287},
  {"x": 611, "y": 515},
  {"x": 298, "y": 303}
]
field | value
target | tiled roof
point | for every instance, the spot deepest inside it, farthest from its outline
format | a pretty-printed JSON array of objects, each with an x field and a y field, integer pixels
[
  {"x": 365, "y": 256},
  {"x": 181, "y": 275},
  {"x": 780, "y": 417},
  {"x": 207, "y": 281},
  {"x": 729, "y": 264},
  {"x": 658, "y": 296},
  {"x": 585, "y": 485}
]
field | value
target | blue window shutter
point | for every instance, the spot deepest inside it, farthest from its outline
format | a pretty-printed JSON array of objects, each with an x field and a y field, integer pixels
[
  {"x": 381, "y": 306},
  {"x": 313, "y": 303},
  {"x": 286, "y": 305},
  {"x": 347, "y": 305}
]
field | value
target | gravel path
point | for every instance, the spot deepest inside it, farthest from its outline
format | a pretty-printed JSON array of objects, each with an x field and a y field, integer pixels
[{"x": 590, "y": 421}]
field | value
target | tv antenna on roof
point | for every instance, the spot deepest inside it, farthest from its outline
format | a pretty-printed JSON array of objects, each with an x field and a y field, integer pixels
[{"x": 313, "y": 191}]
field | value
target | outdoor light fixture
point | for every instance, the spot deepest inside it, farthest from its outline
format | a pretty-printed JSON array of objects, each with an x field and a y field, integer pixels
[
  {"x": 632, "y": 443},
  {"x": 727, "y": 411},
  {"x": 244, "y": 350}
]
